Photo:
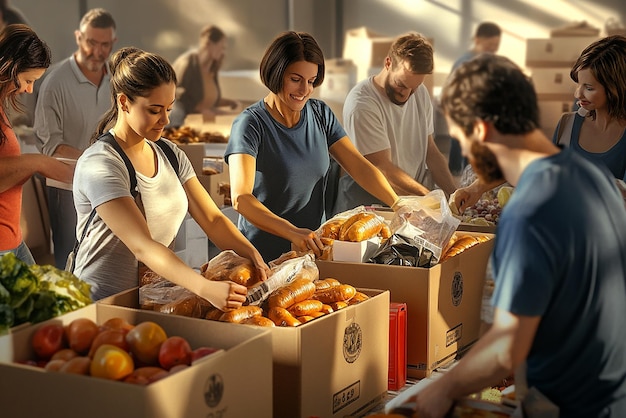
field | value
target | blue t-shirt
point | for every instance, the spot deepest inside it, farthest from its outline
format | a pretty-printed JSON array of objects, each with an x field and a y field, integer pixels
[
  {"x": 560, "y": 253},
  {"x": 614, "y": 158},
  {"x": 291, "y": 167}
]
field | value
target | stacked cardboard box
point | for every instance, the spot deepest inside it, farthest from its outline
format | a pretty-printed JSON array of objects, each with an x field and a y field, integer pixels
[
  {"x": 549, "y": 61},
  {"x": 235, "y": 381}
]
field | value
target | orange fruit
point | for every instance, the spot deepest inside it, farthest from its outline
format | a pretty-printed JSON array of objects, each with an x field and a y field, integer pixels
[{"x": 111, "y": 362}]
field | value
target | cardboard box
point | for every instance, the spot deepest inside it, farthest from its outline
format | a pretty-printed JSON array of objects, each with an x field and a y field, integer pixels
[
  {"x": 550, "y": 112},
  {"x": 332, "y": 367},
  {"x": 355, "y": 252},
  {"x": 366, "y": 49},
  {"x": 443, "y": 302},
  {"x": 556, "y": 52},
  {"x": 340, "y": 77},
  {"x": 553, "y": 83},
  {"x": 212, "y": 387},
  {"x": 196, "y": 153},
  {"x": 397, "y": 346}
]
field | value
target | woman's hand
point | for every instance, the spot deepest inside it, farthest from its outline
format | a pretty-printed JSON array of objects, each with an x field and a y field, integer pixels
[
  {"x": 224, "y": 295},
  {"x": 261, "y": 267},
  {"x": 306, "y": 240}
]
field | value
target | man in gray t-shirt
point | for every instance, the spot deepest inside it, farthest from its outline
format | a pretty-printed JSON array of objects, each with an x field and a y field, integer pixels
[{"x": 71, "y": 100}]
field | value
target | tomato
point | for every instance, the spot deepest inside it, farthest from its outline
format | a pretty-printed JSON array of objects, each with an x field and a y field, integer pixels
[
  {"x": 48, "y": 339},
  {"x": 144, "y": 342},
  {"x": 111, "y": 362},
  {"x": 80, "y": 334},
  {"x": 77, "y": 365},
  {"x": 64, "y": 354},
  {"x": 54, "y": 365},
  {"x": 144, "y": 375},
  {"x": 114, "y": 337},
  {"x": 174, "y": 351},
  {"x": 201, "y": 352},
  {"x": 117, "y": 323}
]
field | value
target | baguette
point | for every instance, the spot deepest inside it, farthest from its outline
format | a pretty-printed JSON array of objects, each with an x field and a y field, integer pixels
[
  {"x": 364, "y": 229},
  {"x": 297, "y": 291},
  {"x": 282, "y": 318},
  {"x": 239, "y": 314},
  {"x": 341, "y": 293},
  {"x": 459, "y": 246}
]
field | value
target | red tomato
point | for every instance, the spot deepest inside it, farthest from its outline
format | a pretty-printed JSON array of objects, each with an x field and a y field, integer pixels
[
  {"x": 80, "y": 334},
  {"x": 174, "y": 351},
  {"x": 144, "y": 342},
  {"x": 201, "y": 352},
  {"x": 48, "y": 339},
  {"x": 143, "y": 375},
  {"x": 117, "y": 323},
  {"x": 77, "y": 365},
  {"x": 111, "y": 362},
  {"x": 114, "y": 337}
]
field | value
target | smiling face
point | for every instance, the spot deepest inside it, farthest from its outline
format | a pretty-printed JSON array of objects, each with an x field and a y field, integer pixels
[
  {"x": 590, "y": 93},
  {"x": 27, "y": 80},
  {"x": 147, "y": 116},
  {"x": 400, "y": 82},
  {"x": 298, "y": 84}
]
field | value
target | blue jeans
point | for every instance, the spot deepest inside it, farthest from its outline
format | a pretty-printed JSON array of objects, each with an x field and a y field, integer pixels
[
  {"x": 22, "y": 252},
  {"x": 62, "y": 223}
]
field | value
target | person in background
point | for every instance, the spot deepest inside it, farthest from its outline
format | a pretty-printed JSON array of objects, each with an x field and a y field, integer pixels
[
  {"x": 10, "y": 15},
  {"x": 486, "y": 39},
  {"x": 71, "y": 99},
  {"x": 198, "y": 82},
  {"x": 600, "y": 73},
  {"x": 389, "y": 117},
  {"x": 279, "y": 152},
  {"x": 123, "y": 232},
  {"x": 600, "y": 135},
  {"x": 559, "y": 255},
  {"x": 24, "y": 57}
]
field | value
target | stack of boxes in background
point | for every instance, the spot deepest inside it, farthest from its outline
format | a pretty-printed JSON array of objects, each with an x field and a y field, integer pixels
[{"x": 549, "y": 61}]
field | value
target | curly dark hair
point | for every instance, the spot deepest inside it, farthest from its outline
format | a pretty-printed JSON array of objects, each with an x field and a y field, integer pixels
[{"x": 494, "y": 89}]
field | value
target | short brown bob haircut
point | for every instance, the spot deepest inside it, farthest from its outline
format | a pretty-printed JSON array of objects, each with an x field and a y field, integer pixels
[{"x": 287, "y": 48}]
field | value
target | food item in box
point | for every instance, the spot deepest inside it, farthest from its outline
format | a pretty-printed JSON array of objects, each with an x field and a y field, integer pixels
[
  {"x": 462, "y": 244},
  {"x": 341, "y": 293},
  {"x": 188, "y": 135},
  {"x": 228, "y": 265},
  {"x": 190, "y": 305},
  {"x": 242, "y": 313},
  {"x": 282, "y": 317},
  {"x": 296, "y": 291},
  {"x": 306, "y": 307},
  {"x": 354, "y": 225},
  {"x": 261, "y": 321}
]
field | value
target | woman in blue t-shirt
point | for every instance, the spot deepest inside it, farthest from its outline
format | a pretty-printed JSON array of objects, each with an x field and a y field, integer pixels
[{"x": 278, "y": 153}]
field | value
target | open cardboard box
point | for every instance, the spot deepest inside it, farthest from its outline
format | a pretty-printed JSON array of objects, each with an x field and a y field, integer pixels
[
  {"x": 331, "y": 367},
  {"x": 235, "y": 381},
  {"x": 443, "y": 302}
]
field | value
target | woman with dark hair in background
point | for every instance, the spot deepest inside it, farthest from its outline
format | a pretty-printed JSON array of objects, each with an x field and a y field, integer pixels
[
  {"x": 24, "y": 57},
  {"x": 599, "y": 131},
  {"x": 127, "y": 227},
  {"x": 278, "y": 152},
  {"x": 198, "y": 85}
]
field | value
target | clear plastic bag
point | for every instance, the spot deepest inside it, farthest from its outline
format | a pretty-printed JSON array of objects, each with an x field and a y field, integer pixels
[{"x": 427, "y": 221}]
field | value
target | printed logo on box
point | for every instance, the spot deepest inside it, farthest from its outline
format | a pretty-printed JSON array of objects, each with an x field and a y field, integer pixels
[
  {"x": 352, "y": 342},
  {"x": 213, "y": 390},
  {"x": 457, "y": 288}
]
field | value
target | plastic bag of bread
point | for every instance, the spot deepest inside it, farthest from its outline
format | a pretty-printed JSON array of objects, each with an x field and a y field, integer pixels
[
  {"x": 354, "y": 225},
  {"x": 427, "y": 221},
  {"x": 228, "y": 265},
  {"x": 302, "y": 267},
  {"x": 166, "y": 297}
]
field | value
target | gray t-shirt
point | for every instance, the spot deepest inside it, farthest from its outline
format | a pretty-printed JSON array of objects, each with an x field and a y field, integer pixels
[
  {"x": 69, "y": 107},
  {"x": 101, "y": 176},
  {"x": 374, "y": 123}
]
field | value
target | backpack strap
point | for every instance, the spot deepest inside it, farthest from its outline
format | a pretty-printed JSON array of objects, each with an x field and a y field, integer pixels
[
  {"x": 171, "y": 156},
  {"x": 109, "y": 139}
]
